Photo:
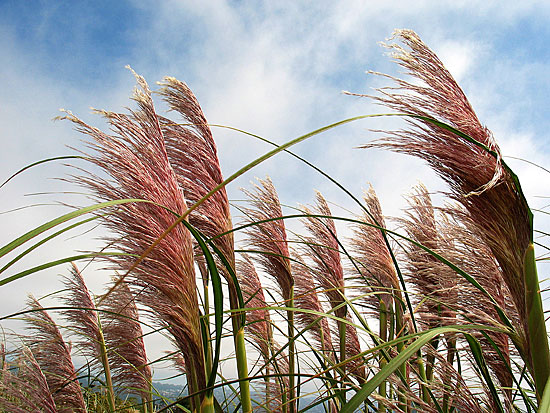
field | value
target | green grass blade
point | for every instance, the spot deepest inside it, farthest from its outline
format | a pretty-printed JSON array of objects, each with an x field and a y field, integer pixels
[
  {"x": 218, "y": 302},
  {"x": 476, "y": 351},
  {"x": 538, "y": 338},
  {"x": 545, "y": 401},
  {"x": 57, "y": 158},
  {"x": 409, "y": 351},
  {"x": 60, "y": 220},
  {"x": 43, "y": 241},
  {"x": 51, "y": 264}
]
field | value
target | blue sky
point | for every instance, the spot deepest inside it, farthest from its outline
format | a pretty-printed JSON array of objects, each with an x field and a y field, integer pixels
[{"x": 272, "y": 68}]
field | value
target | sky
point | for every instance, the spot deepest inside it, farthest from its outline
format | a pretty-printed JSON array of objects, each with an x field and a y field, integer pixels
[{"x": 275, "y": 69}]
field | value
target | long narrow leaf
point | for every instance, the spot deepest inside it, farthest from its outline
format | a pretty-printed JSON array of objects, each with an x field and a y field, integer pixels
[
  {"x": 54, "y": 263},
  {"x": 392, "y": 366},
  {"x": 57, "y": 158},
  {"x": 59, "y": 220}
]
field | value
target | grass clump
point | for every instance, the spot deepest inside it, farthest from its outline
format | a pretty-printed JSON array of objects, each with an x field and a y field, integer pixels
[{"x": 453, "y": 292}]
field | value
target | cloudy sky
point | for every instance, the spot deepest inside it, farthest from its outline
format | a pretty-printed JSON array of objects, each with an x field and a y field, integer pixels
[{"x": 276, "y": 69}]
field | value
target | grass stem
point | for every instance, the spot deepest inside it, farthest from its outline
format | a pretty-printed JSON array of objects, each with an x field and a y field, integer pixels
[
  {"x": 538, "y": 338},
  {"x": 242, "y": 370},
  {"x": 291, "y": 354},
  {"x": 383, "y": 333},
  {"x": 106, "y": 367}
]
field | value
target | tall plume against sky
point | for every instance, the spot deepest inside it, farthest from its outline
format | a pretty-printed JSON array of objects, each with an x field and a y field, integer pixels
[
  {"x": 322, "y": 247},
  {"x": 476, "y": 178},
  {"x": 53, "y": 356},
  {"x": 135, "y": 160},
  {"x": 377, "y": 270},
  {"x": 83, "y": 318},
  {"x": 269, "y": 238},
  {"x": 124, "y": 337},
  {"x": 446, "y": 133},
  {"x": 193, "y": 155}
]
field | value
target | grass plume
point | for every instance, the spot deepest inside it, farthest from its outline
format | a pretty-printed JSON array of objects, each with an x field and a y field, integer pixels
[
  {"x": 472, "y": 166},
  {"x": 84, "y": 319},
  {"x": 53, "y": 356},
  {"x": 269, "y": 239},
  {"x": 23, "y": 386},
  {"x": 124, "y": 339},
  {"x": 477, "y": 179},
  {"x": 260, "y": 331},
  {"x": 193, "y": 155},
  {"x": 137, "y": 164},
  {"x": 323, "y": 249}
]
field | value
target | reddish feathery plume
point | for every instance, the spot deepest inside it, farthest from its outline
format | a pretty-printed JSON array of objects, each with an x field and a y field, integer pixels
[
  {"x": 193, "y": 155},
  {"x": 124, "y": 339},
  {"x": 472, "y": 255},
  {"x": 476, "y": 178},
  {"x": 135, "y": 159},
  {"x": 323, "y": 250},
  {"x": 258, "y": 324},
  {"x": 373, "y": 257},
  {"x": 269, "y": 238},
  {"x": 258, "y": 320},
  {"x": 54, "y": 358},
  {"x": 177, "y": 360},
  {"x": 460, "y": 388},
  {"x": 258, "y": 327},
  {"x": 27, "y": 390},
  {"x": 306, "y": 298},
  {"x": 434, "y": 282},
  {"x": 83, "y": 317}
]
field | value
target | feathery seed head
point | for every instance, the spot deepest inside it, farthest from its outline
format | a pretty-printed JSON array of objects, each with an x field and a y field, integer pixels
[
  {"x": 27, "y": 389},
  {"x": 306, "y": 298},
  {"x": 53, "y": 357},
  {"x": 434, "y": 281},
  {"x": 477, "y": 179},
  {"x": 324, "y": 251},
  {"x": 373, "y": 257},
  {"x": 124, "y": 339},
  {"x": 269, "y": 238},
  {"x": 258, "y": 320},
  {"x": 193, "y": 155},
  {"x": 82, "y": 316},
  {"x": 137, "y": 164}
]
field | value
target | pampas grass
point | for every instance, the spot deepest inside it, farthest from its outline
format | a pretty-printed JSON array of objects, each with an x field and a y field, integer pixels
[
  {"x": 137, "y": 163},
  {"x": 53, "y": 356},
  {"x": 83, "y": 317},
  {"x": 323, "y": 249},
  {"x": 124, "y": 338},
  {"x": 260, "y": 331},
  {"x": 477, "y": 177},
  {"x": 193, "y": 156},
  {"x": 267, "y": 236},
  {"x": 473, "y": 339},
  {"x": 23, "y": 386}
]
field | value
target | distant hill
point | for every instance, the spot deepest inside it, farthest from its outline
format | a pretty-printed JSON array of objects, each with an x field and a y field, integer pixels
[{"x": 172, "y": 392}]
